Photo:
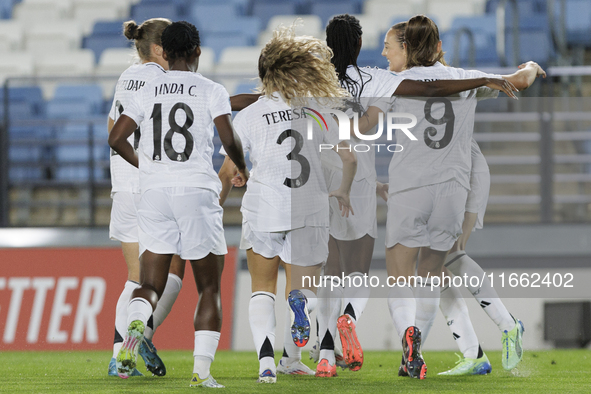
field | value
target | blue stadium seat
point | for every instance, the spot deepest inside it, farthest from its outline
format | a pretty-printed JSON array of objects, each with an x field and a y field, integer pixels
[
  {"x": 108, "y": 28},
  {"x": 69, "y": 109},
  {"x": 219, "y": 41},
  {"x": 484, "y": 23},
  {"x": 18, "y": 174},
  {"x": 6, "y": 9},
  {"x": 207, "y": 17},
  {"x": 92, "y": 94},
  {"x": 27, "y": 146},
  {"x": 577, "y": 22},
  {"x": 372, "y": 58},
  {"x": 98, "y": 43},
  {"x": 224, "y": 18},
  {"x": 266, "y": 9},
  {"x": 524, "y": 6},
  {"x": 25, "y": 102},
  {"x": 485, "y": 54},
  {"x": 141, "y": 12},
  {"x": 246, "y": 87},
  {"x": 326, "y": 10},
  {"x": 242, "y": 6},
  {"x": 182, "y": 5}
]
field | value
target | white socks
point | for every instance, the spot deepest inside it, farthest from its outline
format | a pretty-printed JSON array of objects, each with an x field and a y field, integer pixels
[
  {"x": 329, "y": 309},
  {"x": 261, "y": 315},
  {"x": 459, "y": 263},
  {"x": 121, "y": 313},
  {"x": 311, "y": 299},
  {"x": 138, "y": 309},
  {"x": 453, "y": 306},
  {"x": 427, "y": 301},
  {"x": 206, "y": 344},
  {"x": 402, "y": 305},
  {"x": 355, "y": 297},
  {"x": 169, "y": 296}
]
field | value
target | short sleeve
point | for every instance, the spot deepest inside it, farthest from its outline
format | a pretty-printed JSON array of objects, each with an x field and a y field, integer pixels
[
  {"x": 241, "y": 126},
  {"x": 385, "y": 87},
  {"x": 113, "y": 111},
  {"x": 220, "y": 102},
  {"x": 483, "y": 92},
  {"x": 134, "y": 108}
]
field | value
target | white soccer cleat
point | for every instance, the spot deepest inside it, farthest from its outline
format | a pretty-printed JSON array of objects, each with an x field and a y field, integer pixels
[
  {"x": 267, "y": 376},
  {"x": 208, "y": 382},
  {"x": 297, "y": 368}
]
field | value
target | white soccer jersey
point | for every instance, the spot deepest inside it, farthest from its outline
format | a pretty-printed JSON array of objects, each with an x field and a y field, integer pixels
[
  {"x": 444, "y": 131},
  {"x": 124, "y": 176},
  {"x": 478, "y": 161},
  {"x": 175, "y": 112},
  {"x": 286, "y": 189},
  {"x": 374, "y": 88}
]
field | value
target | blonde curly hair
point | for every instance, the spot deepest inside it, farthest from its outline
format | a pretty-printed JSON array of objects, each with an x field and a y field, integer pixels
[{"x": 298, "y": 68}]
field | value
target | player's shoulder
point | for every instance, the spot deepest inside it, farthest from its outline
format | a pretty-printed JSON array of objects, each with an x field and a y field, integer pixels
[{"x": 378, "y": 73}]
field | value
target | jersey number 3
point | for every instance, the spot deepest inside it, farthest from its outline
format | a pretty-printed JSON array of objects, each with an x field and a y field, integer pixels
[
  {"x": 174, "y": 128},
  {"x": 448, "y": 119},
  {"x": 295, "y": 155}
]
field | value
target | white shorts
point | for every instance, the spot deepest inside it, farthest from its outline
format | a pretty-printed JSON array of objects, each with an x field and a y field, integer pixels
[
  {"x": 426, "y": 216},
  {"x": 181, "y": 220},
  {"x": 123, "y": 226},
  {"x": 363, "y": 201},
  {"x": 304, "y": 247},
  {"x": 478, "y": 196}
]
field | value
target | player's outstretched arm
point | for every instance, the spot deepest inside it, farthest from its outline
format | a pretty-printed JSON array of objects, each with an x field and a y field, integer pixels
[
  {"x": 227, "y": 172},
  {"x": 121, "y": 130},
  {"x": 349, "y": 160},
  {"x": 526, "y": 75},
  {"x": 447, "y": 87},
  {"x": 232, "y": 146},
  {"x": 240, "y": 101}
]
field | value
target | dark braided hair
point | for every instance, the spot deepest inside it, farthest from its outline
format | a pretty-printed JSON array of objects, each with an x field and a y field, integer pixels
[
  {"x": 179, "y": 40},
  {"x": 342, "y": 36}
]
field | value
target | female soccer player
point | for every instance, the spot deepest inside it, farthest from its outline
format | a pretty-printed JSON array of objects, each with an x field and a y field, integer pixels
[
  {"x": 125, "y": 194},
  {"x": 426, "y": 203},
  {"x": 179, "y": 211},
  {"x": 352, "y": 238},
  {"x": 285, "y": 207},
  {"x": 452, "y": 303}
]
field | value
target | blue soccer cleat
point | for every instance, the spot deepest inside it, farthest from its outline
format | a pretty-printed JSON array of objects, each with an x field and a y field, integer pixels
[
  {"x": 267, "y": 376},
  {"x": 113, "y": 369},
  {"x": 153, "y": 362},
  {"x": 300, "y": 320}
]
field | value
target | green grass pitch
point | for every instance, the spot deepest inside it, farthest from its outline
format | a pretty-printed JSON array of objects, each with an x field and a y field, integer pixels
[{"x": 564, "y": 371}]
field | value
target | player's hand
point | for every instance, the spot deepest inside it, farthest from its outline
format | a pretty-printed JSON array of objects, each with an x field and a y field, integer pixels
[
  {"x": 382, "y": 190},
  {"x": 240, "y": 177},
  {"x": 344, "y": 202},
  {"x": 539, "y": 70},
  {"x": 503, "y": 85}
]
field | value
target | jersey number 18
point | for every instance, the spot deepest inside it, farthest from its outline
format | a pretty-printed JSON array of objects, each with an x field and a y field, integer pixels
[{"x": 174, "y": 128}]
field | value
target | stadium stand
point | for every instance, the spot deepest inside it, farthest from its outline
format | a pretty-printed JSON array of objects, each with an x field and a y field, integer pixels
[{"x": 83, "y": 39}]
